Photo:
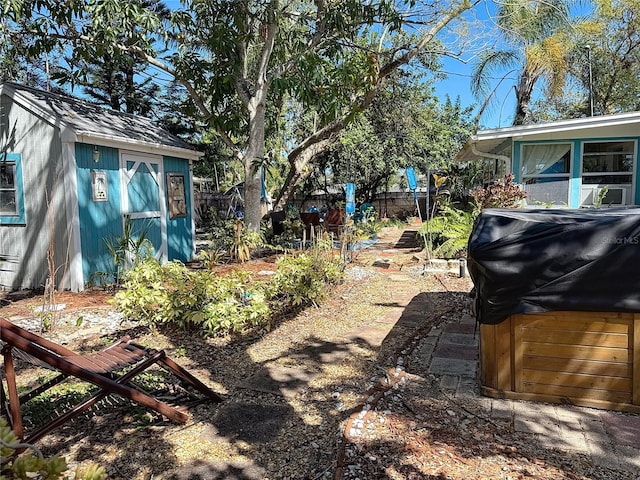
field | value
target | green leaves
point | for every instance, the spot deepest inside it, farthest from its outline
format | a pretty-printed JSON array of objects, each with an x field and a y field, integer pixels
[
  {"x": 36, "y": 467},
  {"x": 176, "y": 297},
  {"x": 449, "y": 232}
]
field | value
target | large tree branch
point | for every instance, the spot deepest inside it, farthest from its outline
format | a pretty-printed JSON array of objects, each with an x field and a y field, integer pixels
[
  {"x": 242, "y": 85},
  {"x": 309, "y": 147},
  {"x": 193, "y": 94},
  {"x": 269, "y": 42},
  {"x": 406, "y": 57}
]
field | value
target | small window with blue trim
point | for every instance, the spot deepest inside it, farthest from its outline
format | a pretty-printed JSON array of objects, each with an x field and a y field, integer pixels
[{"x": 11, "y": 204}]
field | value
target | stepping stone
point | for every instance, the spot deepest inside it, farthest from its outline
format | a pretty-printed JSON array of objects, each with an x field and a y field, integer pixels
[
  {"x": 399, "y": 277},
  {"x": 382, "y": 263},
  {"x": 277, "y": 380},
  {"x": 453, "y": 366},
  {"x": 453, "y": 351},
  {"x": 391, "y": 317},
  {"x": 463, "y": 328},
  {"x": 459, "y": 339},
  {"x": 248, "y": 422}
]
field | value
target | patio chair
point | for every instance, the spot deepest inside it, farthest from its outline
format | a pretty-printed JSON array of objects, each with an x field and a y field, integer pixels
[{"x": 111, "y": 370}]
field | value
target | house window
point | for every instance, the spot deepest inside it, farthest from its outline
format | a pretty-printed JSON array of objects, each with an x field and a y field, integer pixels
[
  {"x": 607, "y": 171},
  {"x": 545, "y": 171},
  {"x": 607, "y": 163}
]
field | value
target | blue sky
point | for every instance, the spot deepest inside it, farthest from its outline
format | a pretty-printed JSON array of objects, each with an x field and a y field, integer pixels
[
  {"x": 458, "y": 83},
  {"x": 483, "y": 35}
]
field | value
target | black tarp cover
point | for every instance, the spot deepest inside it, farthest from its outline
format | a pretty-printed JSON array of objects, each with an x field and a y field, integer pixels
[{"x": 531, "y": 261}]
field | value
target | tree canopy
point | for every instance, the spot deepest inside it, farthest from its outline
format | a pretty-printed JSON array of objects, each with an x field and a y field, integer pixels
[
  {"x": 604, "y": 63},
  {"x": 535, "y": 41},
  {"x": 240, "y": 62}
]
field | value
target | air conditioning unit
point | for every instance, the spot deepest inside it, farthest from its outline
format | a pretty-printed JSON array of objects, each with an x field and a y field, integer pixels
[{"x": 614, "y": 196}]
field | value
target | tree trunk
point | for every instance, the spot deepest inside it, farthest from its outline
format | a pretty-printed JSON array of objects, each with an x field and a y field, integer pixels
[
  {"x": 255, "y": 152},
  {"x": 524, "y": 92},
  {"x": 299, "y": 171}
]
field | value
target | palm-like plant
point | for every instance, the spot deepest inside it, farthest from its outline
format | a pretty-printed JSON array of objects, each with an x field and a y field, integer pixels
[
  {"x": 535, "y": 31},
  {"x": 451, "y": 231}
]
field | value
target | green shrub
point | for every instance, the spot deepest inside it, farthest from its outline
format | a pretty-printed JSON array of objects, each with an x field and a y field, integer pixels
[
  {"x": 449, "y": 233},
  {"x": 232, "y": 239},
  {"x": 34, "y": 465},
  {"x": 303, "y": 279},
  {"x": 232, "y": 304},
  {"x": 172, "y": 295}
]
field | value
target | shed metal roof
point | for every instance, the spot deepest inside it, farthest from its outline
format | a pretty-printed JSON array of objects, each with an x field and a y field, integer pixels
[{"x": 90, "y": 123}]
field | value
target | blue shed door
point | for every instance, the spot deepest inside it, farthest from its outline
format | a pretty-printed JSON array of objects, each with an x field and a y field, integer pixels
[{"x": 142, "y": 197}]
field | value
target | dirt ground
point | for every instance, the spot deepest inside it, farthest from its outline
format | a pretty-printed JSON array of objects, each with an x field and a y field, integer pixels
[{"x": 297, "y": 427}]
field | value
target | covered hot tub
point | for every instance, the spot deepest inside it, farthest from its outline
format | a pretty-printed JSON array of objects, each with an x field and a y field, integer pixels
[{"x": 557, "y": 296}]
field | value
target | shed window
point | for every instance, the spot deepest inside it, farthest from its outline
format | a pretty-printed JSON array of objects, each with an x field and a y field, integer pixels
[
  {"x": 11, "y": 195},
  {"x": 541, "y": 160},
  {"x": 8, "y": 204}
]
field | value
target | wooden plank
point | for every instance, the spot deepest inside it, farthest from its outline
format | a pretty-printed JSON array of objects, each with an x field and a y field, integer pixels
[
  {"x": 518, "y": 353},
  {"x": 583, "y": 324},
  {"x": 574, "y": 395},
  {"x": 503, "y": 355},
  {"x": 607, "y": 316},
  {"x": 577, "y": 351},
  {"x": 634, "y": 345},
  {"x": 617, "y": 340},
  {"x": 488, "y": 366},
  {"x": 600, "y": 382},
  {"x": 576, "y": 365}
]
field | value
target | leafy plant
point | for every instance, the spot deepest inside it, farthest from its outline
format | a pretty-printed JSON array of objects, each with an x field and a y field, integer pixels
[
  {"x": 438, "y": 182},
  {"x": 597, "y": 203},
  {"x": 174, "y": 296},
  {"x": 292, "y": 226},
  {"x": 369, "y": 228},
  {"x": 502, "y": 193},
  {"x": 35, "y": 465},
  {"x": 231, "y": 238},
  {"x": 302, "y": 279},
  {"x": 128, "y": 249},
  {"x": 244, "y": 242},
  {"x": 211, "y": 257},
  {"x": 452, "y": 231}
]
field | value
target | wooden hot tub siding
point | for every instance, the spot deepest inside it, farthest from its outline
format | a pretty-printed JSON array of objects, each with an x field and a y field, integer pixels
[{"x": 582, "y": 358}]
